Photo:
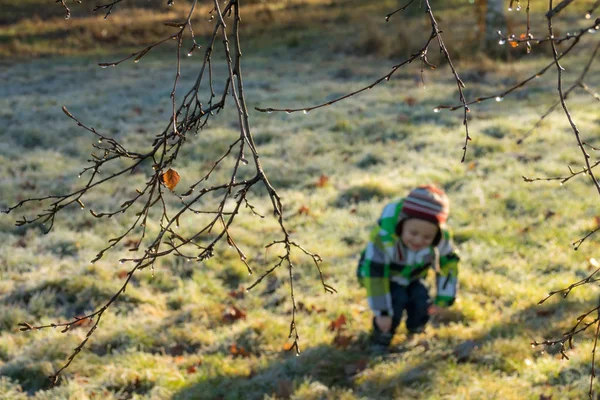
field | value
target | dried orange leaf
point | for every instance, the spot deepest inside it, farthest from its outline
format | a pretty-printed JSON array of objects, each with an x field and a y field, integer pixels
[
  {"x": 192, "y": 369},
  {"x": 323, "y": 181},
  {"x": 236, "y": 350},
  {"x": 232, "y": 314},
  {"x": 514, "y": 44},
  {"x": 288, "y": 346},
  {"x": 170, "y": 178},
  {"x": 338, "y": 323},
  {"x": 523, "y": 36},
  {"x": 342, "y": 340},
  {"x": 411, "y": 101},
  {"x": 304, "y": 210}
]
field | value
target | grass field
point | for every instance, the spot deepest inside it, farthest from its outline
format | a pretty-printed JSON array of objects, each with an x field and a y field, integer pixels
[{"x": 171, "y": 335}]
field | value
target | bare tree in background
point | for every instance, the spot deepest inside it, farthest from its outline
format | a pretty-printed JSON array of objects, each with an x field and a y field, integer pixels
[
  {"x": 191, "y": 112},
  {"x": 495, "y": 21}
]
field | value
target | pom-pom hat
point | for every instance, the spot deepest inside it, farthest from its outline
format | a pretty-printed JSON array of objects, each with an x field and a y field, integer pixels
[{"x": 427, "y": 202}]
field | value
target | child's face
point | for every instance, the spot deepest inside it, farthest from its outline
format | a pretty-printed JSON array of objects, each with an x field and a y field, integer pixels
[{"x": 418, "y": 234}]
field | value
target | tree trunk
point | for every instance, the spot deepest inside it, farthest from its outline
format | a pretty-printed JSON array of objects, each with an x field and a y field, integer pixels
[{"x": 495, "y": 21}]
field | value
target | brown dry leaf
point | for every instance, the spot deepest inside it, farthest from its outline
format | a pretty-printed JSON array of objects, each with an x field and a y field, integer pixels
[
  {"x": 342, "y": 341},
  {"x": 191, "y": 369},
  {"x": 597, "y": 221},
  {"x": 170, "y": 178},
  {"x": 232, "y": 314},
  {"x": 323, "y": 181},
  {"x": 238, "y": 351},
  {"x": 338, "y": 323},
  {"x": 411, "y": 101},
  {"x": 237, "y": 294},
  {"x": 122, "y": 274},
  {"x": 355, "y": 368},
  {"x": 545, "y": 312},
  {"x": 304, "y": 210}
]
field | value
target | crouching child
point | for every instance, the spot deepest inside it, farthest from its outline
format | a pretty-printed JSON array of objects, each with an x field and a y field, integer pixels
[{"x": 410, "y": 239}]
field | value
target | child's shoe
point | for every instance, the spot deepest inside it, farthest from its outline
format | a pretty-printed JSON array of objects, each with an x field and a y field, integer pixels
[
  {"x": 376, "y": 349},
  {"x": 418, "y": 329},
  {"x": 380, "y": 343}
]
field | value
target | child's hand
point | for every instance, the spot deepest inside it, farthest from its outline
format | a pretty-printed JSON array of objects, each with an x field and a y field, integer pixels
[
  {"x": 384, "y": 323},
  {"x": 433, "y": 309}
]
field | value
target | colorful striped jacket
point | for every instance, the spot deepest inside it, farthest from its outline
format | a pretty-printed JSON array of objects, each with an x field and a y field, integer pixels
[{"x": 386, "y": 259}]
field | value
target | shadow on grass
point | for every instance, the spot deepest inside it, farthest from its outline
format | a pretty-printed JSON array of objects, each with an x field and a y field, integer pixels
[
  {"x": 331, "y": 366},
  {"x": 328, "y": 365}
]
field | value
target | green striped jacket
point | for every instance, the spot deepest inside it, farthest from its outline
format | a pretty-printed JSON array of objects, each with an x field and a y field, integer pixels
[{"x": 386, "y": 259}]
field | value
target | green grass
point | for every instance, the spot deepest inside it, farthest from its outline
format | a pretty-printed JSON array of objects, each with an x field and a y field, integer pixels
[{"x": 166, "y": 337}]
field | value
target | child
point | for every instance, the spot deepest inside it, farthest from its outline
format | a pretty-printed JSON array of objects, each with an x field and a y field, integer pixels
[{"x": 409, "y": 239}]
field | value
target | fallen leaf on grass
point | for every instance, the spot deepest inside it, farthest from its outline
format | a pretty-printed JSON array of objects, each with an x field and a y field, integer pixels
[
  {"x": 355, "y": 368},
  {"x": 309, "y": 309},
  {"x": 170, "y": 178},
  {"x": 237, "y": 294},
  {"x": 232, "y": 314},
  {"x": 411, "y": 101},
  {"x": 323, "y": 181},
  {"x": 238, "y": 351},
  {"x": 337, "y": 323},
  {"x": 342, "y": 341},
  {"x": 545, "y": 313},
  {"x": 304, "y": 210},
  {"x": 176, "y": 350},
  {"x": 192, "y": 369}
]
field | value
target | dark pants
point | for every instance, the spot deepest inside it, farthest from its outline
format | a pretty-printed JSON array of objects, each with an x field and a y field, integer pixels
[{"x": 413, "y": 298}]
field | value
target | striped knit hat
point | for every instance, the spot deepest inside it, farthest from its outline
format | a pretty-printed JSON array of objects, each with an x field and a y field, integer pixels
[{"x": 427, "y": 202}]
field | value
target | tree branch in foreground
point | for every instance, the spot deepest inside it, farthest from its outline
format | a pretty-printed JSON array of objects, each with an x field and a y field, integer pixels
[{"x": 197, "y": 106}]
